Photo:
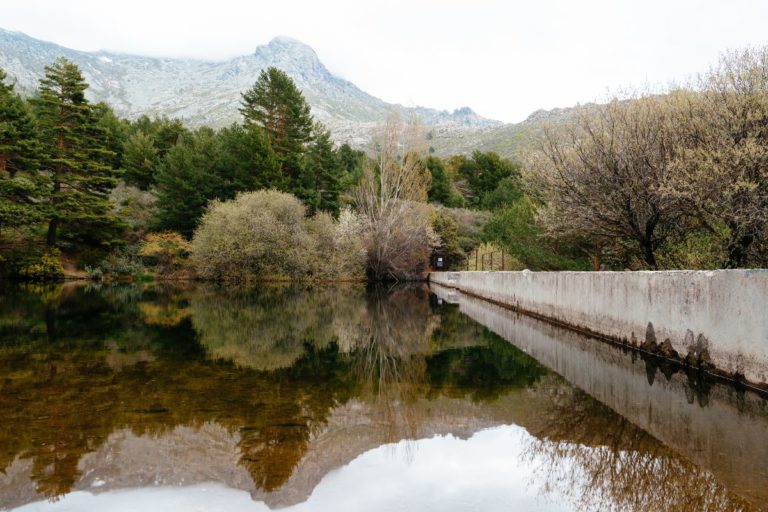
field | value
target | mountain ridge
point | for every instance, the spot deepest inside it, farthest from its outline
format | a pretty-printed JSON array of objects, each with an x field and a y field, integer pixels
[{"x": 208, "y": 92}]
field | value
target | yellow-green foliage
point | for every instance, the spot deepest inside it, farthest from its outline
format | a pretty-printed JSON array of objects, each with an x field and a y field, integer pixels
[
  {"x": 266, "y": 235},
  {"x": 46, "y": 266},
  {"x": 166, "y": 250},
  {"x": 268, "y": 328},
  {"x": 697, "y": 251}
]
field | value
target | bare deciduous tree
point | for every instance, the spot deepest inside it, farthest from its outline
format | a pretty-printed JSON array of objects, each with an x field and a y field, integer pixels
[
  {"x": 721, "y": 172},
  {"x": 601, "y": 175},
  {"x": 391, "y": 200}
]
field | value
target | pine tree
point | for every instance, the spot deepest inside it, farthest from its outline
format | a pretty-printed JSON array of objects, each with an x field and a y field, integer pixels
[
  {"x": 324, "y": 167},
  {"x": 22, "y": 186},
  {"x": 140, "y": 161},
  {"x": 440, "y": 190},
  {"x": 278, "y": 106},
  {"x": 484, "y": 171},
  {"x": 77, "y": 158},
  {"x": 352, "y": 163},
  {"x": 19, "y": 147},
  {"x": 165, "y": 132},
  {"x": 187, "y": 180},
  {"x": 115, "y": 132},
  {"x": 246, "y": 161}
]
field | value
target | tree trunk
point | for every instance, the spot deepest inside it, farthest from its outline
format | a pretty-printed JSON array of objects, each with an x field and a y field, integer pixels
[
  {"x": 597, "y": 257},
  {"x": 51, "y": 237},
  {"x": 648, "y": 256},
  {"x": 53, "y": 224},
  {"x": 737, "y": 251}
]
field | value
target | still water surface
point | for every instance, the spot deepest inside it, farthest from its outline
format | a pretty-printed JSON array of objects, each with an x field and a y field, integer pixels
[{"x": 347, "y": 398}]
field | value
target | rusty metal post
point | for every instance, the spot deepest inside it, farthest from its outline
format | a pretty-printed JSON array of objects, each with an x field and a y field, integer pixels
[{"x": 502, "y": 259}]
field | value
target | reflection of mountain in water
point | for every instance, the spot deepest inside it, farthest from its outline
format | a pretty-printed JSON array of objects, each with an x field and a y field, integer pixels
[
  {"x": 268, "y": 390},
  {"x": 267, "y": 369}
]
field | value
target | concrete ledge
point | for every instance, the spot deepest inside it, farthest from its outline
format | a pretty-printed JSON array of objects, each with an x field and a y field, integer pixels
[{"x": 716, "y": 320}]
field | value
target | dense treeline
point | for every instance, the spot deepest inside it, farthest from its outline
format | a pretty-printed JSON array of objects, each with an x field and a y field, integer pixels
[
  {"x": 675, "y": 180},
  {"x": 75, "y": 178}
]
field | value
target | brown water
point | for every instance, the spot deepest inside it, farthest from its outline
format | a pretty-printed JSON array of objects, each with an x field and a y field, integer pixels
[{"x": 347, "y": 398}]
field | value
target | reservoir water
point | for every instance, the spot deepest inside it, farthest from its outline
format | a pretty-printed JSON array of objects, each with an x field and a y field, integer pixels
[{"x": 139, "y": 397}]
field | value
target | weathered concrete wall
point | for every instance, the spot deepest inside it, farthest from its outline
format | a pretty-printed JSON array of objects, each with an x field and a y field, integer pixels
[
  {"x": 715, "y": 426},
  {"x": 718, "y": 317}
]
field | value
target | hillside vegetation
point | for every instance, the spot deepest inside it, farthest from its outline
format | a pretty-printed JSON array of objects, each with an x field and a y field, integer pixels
[{"x": 649, "y": 181}]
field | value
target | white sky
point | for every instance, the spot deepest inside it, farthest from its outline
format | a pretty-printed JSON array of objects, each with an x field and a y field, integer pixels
[{"x": 504, "y": 59}]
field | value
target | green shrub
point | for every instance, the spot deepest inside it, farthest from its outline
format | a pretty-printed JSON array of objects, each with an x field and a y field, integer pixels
[
  {"x": 123, "y": 263},
  {"x": 698, "y": 250},
  {"x": 469, "y": 225},
  {"x": 446, "y": 227},
  {"x": 265, "y": 235},
  {"x": 94, "y": 273},
  {"x": 167, "y": 251},
  {"x": 515, "y": 228},
  {"x": 43, "y": 267}
]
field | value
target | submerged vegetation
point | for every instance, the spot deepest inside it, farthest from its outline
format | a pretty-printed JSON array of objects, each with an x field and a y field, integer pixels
[{"x": 650, "y": 181}]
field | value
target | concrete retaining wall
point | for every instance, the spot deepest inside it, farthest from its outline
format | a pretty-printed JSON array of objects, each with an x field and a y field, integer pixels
[
  {"x": 717, "y": 318},
  {"x": 715, "y": 426}
]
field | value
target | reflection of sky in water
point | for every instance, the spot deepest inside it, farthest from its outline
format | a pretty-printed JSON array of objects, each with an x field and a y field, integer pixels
[{"x": 491, "y": 471}]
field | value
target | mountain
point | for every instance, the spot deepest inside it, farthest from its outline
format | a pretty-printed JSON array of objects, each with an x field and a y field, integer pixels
[
  {"x": 208, "y": 93},
  {"x": 508, "y": 140}
]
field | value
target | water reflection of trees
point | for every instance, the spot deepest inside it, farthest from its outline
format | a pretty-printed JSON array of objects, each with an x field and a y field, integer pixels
[
  {"x": 76, "y": 366},
  {"x": 63, "y": 399},
  {"x": 267, "y": 328},
  {"x": 384, "y": 333},
  {"x": 271, "y": 365},
  {"x": 389, "y": 354},
  {"x": 602, "y": 461}
]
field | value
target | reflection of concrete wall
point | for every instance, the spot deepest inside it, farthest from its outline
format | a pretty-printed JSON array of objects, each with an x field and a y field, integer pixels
[
  {"x": 715, "y": 427},
  {"x": 727, "y": 307}
]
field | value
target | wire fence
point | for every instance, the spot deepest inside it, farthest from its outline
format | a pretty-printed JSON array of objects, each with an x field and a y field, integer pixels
[{"x": 490, "y": 260}]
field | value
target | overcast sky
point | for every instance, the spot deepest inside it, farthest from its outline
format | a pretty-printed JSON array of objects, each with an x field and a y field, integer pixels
[{"x": 504, "y": 59}]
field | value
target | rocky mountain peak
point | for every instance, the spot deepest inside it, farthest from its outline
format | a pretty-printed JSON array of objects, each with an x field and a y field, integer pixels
[
  {"x": 286, "y": 52},
  {"x": 208, "y": 93},
  {"x": 289, "y": 42}
]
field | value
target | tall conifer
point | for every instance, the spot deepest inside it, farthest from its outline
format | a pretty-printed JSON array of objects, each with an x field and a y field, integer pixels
[
  {"x": 22, "y": 186},
  {"x": 323, "y": 165},
  {"x": 77, "y": 158},
  {"x": 275, "y": 104},
  {"x": 278, "y": 106}
]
